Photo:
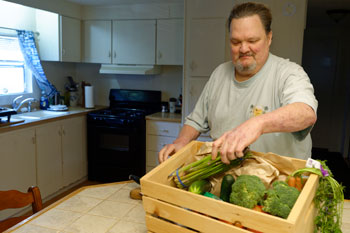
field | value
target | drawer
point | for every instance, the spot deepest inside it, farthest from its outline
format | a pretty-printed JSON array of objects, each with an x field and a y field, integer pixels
[
  {"x": 152, "y": 158},
  {"x": 163, "y": 128},
  {"x": 156, "y": 143}
]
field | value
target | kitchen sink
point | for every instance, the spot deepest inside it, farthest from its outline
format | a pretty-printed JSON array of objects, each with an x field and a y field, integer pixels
[{"x": 38, "y": 115}]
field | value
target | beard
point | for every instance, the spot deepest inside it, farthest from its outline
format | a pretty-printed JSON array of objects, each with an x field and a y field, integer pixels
[{"x": 241, "y": 68}]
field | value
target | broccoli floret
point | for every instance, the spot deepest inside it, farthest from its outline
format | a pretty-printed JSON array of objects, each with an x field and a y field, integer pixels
[
  {"x": 280, "y": 199},
  {"x": 247, "y": 191}
]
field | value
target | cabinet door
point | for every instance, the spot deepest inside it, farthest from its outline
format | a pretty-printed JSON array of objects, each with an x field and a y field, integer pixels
[
  {"x": 47, "y": 23},
  {"x": 97, "y": 41},
  {"x": 170, "y": 46},
  {"x": 17, "y": 166},
  {"x": 72, "y": 149},
  {"x": 206, "y": 45},
  {"x": 70, "y": 39},
  {"x": 49, "y": 158},
  {"x": 134, "y": 42}
]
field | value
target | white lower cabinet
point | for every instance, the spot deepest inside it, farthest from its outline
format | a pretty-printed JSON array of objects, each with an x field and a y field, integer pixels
[
  {"x": 61, "y": 154},
  {"x": 49, "y": 159},
  {"x": 17, "y": 163},
  {"x": 158, "y": 134}
]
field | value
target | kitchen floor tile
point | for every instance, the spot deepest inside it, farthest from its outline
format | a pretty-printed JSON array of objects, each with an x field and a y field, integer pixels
[
  {"x": 131, "y": 185},
  {"x": 29, "y": 228},
  {"x": 137, "y": 214},
  {"x": 112, "y": 209},
  {"x": 123, "y": 195},
  {"x": 80, "y": 204},
  {"x": 128, "y": 227},
  {"x": 91, "y": 224},
  {"x": 101, "y": 192},
  {"x": 56, "y": 219}
]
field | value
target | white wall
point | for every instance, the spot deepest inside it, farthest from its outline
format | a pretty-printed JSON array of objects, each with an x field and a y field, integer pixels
[
  {"x": 57, "y": 6},
  {"x": 169, "y": 81},
  {"x": 16, "y": 16}
]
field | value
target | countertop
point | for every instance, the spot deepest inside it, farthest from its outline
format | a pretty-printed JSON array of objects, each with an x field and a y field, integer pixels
[
  {"x": 105, "y": 208},
  {"x": 96, "y": 209},
  {"x": 165, "y": 116},
  {"x": 72, "y": 112}
]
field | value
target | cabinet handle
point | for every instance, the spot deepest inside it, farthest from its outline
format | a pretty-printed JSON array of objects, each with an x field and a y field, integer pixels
[
  {"x": 63, "y": 51},
  {"x": 159, "y": 55},
  {"x": 60, "y": 132},
  {"x": 34, "y": 140},
  {"x": 115, "y": 54},
  {"x": 63, "y": 132},
  {"x": 165, "y": 130},
  {"x": 109, "y": 54}
]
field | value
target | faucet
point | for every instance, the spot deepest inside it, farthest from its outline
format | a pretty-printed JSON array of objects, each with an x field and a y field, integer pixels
[{"x": 17, "y": 106}]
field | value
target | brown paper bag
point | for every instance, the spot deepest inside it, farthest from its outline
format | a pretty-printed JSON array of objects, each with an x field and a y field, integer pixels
[{"x": 267, "y": 166}]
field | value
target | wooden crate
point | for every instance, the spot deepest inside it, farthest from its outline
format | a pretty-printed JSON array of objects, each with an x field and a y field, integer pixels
[{"x": 172, "y": 210}]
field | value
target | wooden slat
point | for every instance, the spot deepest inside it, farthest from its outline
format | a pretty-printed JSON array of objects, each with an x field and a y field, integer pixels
[
  {"x": 161, "y": 226},
  {"x": 188, "y": 218}
]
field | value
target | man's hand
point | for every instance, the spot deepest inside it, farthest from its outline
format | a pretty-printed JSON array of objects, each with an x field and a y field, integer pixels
[
  {"x": 232, "y": 143},
  {"x": 187, "y": 134},
  {"x": 167, "y": 151}
]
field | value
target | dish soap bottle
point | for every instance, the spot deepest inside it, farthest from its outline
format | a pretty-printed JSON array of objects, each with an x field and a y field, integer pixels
[{"x": 44, "y": 101}]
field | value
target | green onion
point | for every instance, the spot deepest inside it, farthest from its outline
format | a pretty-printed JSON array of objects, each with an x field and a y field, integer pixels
[
  {"x": 329, "y": 200},
  {"x": 204, "y": 168}
]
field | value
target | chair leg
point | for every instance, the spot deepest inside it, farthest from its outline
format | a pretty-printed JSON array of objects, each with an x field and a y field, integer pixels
[{"x": 37, "y": 205}]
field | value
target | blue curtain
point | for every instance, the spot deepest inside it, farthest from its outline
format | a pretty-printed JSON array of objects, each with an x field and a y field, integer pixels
[{"x": 31, "y": 57}]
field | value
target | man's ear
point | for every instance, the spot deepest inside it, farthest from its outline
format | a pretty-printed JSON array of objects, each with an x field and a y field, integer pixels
[{"x": 269, "y": 37}]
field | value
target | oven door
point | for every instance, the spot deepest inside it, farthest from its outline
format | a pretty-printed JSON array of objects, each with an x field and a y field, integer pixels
[{"x": 116, "y": 152}]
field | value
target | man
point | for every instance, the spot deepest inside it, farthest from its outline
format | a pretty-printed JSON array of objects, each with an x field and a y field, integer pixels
[{"x": 257, "y": 100}]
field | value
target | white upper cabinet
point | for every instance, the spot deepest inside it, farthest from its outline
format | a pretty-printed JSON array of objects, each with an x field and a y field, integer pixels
[
  {"x": 170, "y": 41},
  {"x": 47, "y": 26},
  {"x": 134, "y": 42},
  {"x": 97, "y": 36},
  {"x": 70, "y": 39}
]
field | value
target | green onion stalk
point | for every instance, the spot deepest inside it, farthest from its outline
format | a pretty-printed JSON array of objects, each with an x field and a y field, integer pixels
[
  {"x": 204, "y": 168},
  {"x": 329, "y": 199}
]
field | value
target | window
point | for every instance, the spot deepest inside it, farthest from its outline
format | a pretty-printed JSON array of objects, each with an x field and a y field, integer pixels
[{"x": 15, "y": 78}]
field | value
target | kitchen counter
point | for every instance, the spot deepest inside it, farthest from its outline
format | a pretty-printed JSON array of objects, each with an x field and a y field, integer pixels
[
  {"x": 165, "y": 116},
  {"x": 18, "y": 123},
  {"x": 96, "y": 209},
  {"x": 105, "y": 208}
]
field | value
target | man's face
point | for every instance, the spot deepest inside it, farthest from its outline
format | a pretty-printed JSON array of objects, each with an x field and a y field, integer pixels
[{"x": 249, "y": 45}]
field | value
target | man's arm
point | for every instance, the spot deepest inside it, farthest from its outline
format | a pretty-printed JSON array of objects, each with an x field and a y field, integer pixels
[
  {"x": 186, "y": 135},
  {"x": 290, "y": 118}
]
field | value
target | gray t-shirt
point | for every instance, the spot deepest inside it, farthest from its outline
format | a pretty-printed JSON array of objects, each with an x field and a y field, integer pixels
[{"x": 226, "y": 103}]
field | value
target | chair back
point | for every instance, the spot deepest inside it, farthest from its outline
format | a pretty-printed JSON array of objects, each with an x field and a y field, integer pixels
[{"x": 15, "y": 199}]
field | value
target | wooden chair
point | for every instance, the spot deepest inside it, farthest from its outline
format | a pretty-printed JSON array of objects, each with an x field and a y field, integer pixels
[{"x": 15, "y": 199}]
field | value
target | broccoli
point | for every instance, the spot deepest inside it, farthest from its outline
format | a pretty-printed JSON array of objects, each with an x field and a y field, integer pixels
[
  {"x": 247, "y": 191},
  {"x": 280, "y": 199}
]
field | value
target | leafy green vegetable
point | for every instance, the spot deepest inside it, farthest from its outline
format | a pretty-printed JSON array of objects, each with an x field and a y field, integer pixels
[
  {"x": 200, "y": 186},
  {"x": 280, "y": 199},
  {"x": 329, "y": 200},
  {"x": 247, "y": 191},
  {"x": 204, "y": 168}
]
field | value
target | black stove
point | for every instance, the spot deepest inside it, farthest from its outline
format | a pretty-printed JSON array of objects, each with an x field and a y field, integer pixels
[{"x": 117, "y": 135}]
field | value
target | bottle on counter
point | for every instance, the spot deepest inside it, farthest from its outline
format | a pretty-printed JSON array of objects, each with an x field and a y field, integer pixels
[{"x": 44, "y": 101}]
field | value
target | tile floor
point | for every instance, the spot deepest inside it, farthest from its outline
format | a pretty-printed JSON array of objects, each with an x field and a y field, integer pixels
[{"x": 102, "y": 209}]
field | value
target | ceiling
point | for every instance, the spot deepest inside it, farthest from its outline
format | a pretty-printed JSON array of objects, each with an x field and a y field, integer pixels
[
  {"x": 117, "y": 2},
  {"x": 326, "y": 4}
]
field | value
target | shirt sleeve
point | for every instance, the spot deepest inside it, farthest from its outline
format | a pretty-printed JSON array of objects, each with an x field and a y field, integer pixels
[{"x": 298, "y": 88}]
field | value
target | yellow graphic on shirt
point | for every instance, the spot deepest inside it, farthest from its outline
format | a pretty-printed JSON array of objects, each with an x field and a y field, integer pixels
[{"x": 257, "y": 110}]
